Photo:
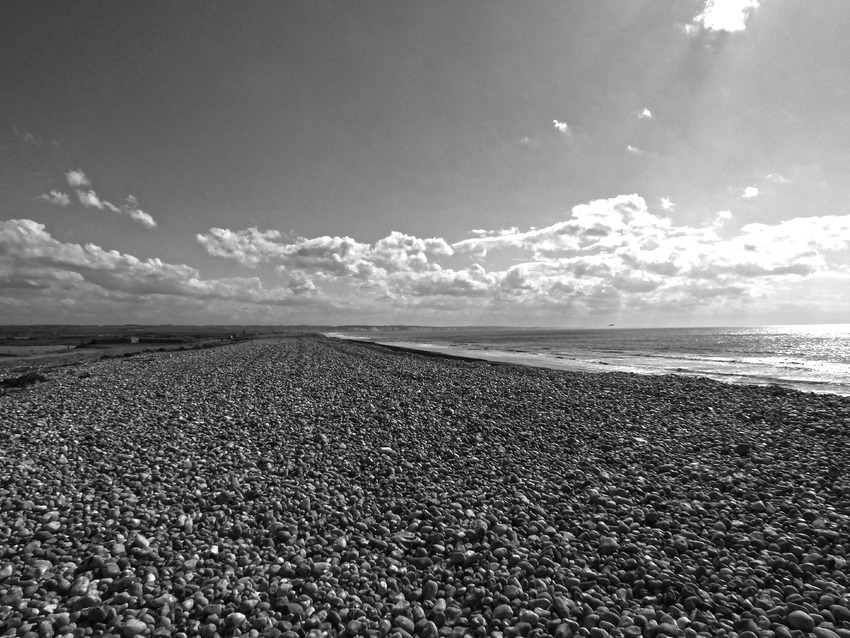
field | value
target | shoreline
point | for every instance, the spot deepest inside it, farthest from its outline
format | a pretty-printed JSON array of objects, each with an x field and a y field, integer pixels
[
  {"x": 313, "y": 486},
  {"x": 574, "y": 364}
]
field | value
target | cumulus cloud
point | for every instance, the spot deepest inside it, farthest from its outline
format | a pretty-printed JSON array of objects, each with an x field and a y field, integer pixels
[
  {"x": 80, "y": 182},
  {"x": 131, "y": 208},
  {"x": 725, "y": 15},
  {"x": 399, "y": 252},
  {"x": 645, "y": 114},
  {"x": 750, "y": 192},
  {"x": 30, "y": 257},
  {"x": 77, "y": 178},
  {"x": 634, "y": 150},
  {"x": 142, "y": 217},
  {"x": 481, "y": 232},
  {"x": 606, "y": 254},
  {"x": 56, "y": 198},
  {"x": 603, "y": 256},
  {"x": 325, "y": 256},
  {"x": 468, "y": 283},
  {"x": 561, "y": 126},
  {"x": 722, "y": 217},
  {"x": 667, "y": 203},
  {"x": 89, "y": 199}
]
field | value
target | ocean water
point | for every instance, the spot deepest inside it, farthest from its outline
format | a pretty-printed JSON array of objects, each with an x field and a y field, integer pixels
[{"x": 812, "y": 358}]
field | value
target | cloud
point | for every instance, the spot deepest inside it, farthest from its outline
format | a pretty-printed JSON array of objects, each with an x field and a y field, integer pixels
[
  {"x": 605, "y": 256},
  {"x": 561, "y": 126},
  {"x": 333, "y": 256},
  {"x": 399, "y": 252},
  {"x": 773, "y": 177},
  {"x": 667, "y": 203},
  {"x": 750, "y": 192},
  {"x": 645, "y": 114},
  {"x": 89, "y": 199},
  {"x": 30, "y": 258},
  {"x": 480, "y": 232},
  {"x": 615, "y": 252},
  {"x": 131, "y": 208},
  {"x": 325, "y": 256},
  {"x": 77, "y": 178},
  {"x": 722, "y": 217},
  {"x": 634, "y": 150},
  {"x": 725, "y": 15},
  {"x": 468, "y": 283},
  {"x": 142, "y": 217},
  {"x": 56, "y": 198}
]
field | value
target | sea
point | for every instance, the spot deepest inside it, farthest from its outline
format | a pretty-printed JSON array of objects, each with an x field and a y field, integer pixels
[{"x": 811, "y": 358}]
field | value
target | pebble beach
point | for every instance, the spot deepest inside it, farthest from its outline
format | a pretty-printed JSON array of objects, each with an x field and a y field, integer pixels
[{"x": 316, "y": 487}]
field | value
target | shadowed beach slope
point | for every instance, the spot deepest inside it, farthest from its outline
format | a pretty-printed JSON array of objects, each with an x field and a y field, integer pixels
[{"x": 315, "y": 487}]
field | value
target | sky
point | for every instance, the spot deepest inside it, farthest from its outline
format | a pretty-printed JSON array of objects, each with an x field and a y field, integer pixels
[{"x": 579, "y": 163}]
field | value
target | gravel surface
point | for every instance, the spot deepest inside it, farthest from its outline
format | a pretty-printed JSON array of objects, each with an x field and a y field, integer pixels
[{"x": 314, "y": 487}]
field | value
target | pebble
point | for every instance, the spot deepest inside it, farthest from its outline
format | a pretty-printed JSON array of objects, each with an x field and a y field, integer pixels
[
  {"x": 799, "y": 619},
  {"x": 236, "y": 619},
  {"x": 405, "y": 623},
  {"x": 607, "y": 545},
  {"x": 502, "y": 612},
  {"x": 429, "y": 590},
  {"x": 134, "y": 627},
  {"x": 309, "y": 487}
]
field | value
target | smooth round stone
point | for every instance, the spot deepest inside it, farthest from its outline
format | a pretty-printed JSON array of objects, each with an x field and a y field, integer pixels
[
  {"x": 563, "y": 631},
  {"x": 823, "y": 632},
  {"x": 667, "y": 629},
  {"x": 799, "y": 619},
  {"x": 134, "y": 627},
  {"x": 608, "y": 545},
  {"x": 503, "y": 611},
  {"x": 98, "y": 614},
  {"x": 354, "y": 627},
  {"x": 110, "y": 569},
  {"x": 562, "y": 606},
  {"x": 403, "y": 622},
  {"x": 840, "y": 613},
  {"x": 12, "y": 597},
  {"x": 141, "y": 542},
  {"x": 526, "y": 615},
  {"x": 512, "y": 591},
  {"x": 236, "y": 619},
  {"x": 161, "y": 601},
  {"x": 79, "y": 586},
  {"x": 429, "y": 590}
]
